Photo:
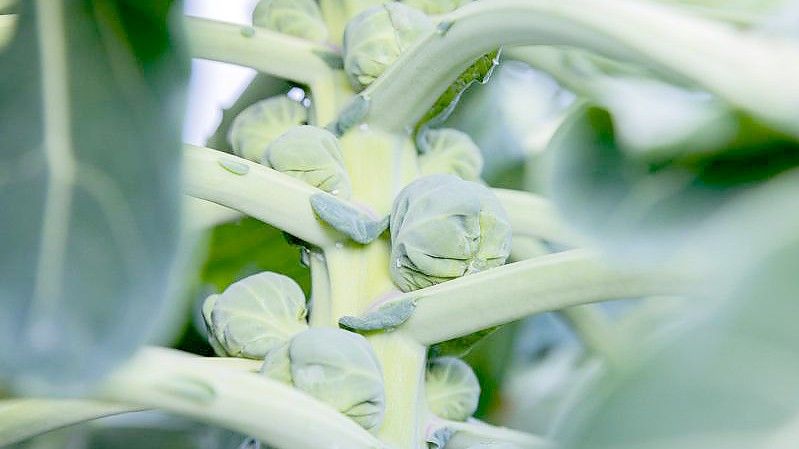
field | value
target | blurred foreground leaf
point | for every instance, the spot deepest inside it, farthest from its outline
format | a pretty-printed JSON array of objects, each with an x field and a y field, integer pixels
[
  {"x": 93, "y": 95},
  {"x": 646, "y": 206},
  {"x": 726, "y": 378}
]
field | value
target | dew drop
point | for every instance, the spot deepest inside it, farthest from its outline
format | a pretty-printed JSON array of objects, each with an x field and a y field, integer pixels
[
  {"x": 235, "y": 167},
  {"x": 247, "y": 31}
]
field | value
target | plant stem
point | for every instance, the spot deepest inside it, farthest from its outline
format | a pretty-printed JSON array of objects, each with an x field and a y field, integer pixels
[
  {"x": 709, "y": 54},
  {"x": 534, "y": 216},
  {"x": 500, "y": 295},
  {"x": 403, "y": 362},
  {"x": 256, "y": 190},
  {"x": 595, "y": 331},
  {"x": 21, "y": 419},
  {"x": 247, "y": 402},
  {"x": 474, "y": 432},
  {"x": 321, "y": 304},
  {"x": 268, "y": 52}
]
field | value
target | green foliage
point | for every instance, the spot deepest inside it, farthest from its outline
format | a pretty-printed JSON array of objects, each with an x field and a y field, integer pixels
[
  {"x": 89, "y": 186},
  {"x": 720, "y": 380},
  {"x": 644, "y": 206},
  {"x": 248, "y": 246}
]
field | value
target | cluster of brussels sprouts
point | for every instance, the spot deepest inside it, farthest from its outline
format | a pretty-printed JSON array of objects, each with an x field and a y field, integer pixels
[
  {"x": 444, "y": 225},
  {"x": 273, "y": 132},
  {"x": 263, "y": 317},
  {"x": 375, "y": 36}
]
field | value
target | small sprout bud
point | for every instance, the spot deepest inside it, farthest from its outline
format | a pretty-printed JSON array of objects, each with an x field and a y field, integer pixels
[
  {"x": 335, "y": 366},
  {"x": 450, "y": 152},
  {"x": 443, "y": 227},
  {"x": 258, "y": 125},
  {"x": 300, "y": 18},
  {"x": 312, "y": 155},
  {"x": 436, "y": 6},
  {"x": 375, "y": 39},
  {"x": 451, "y": 388},
  {"x": 255, "y": 315}
]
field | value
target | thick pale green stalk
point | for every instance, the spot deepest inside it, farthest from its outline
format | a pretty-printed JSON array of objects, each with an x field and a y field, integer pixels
[
  {"x": 534, "y": 216},
  {"x": 21, "y": 419},
  {"x": 256, "y": 190},
  {"x": 500, "y": 295},
  {"x": 277, "y": 414},
  {"x": 379, "y": 165},
  {"x": 321, "y": 304},
  {"x": 473, "y": 432},
  {"x": 202, "y": 214},
  {"x": 754, "y": 72},
  {"x": 270, "y": 52},
  {"x": 403, "y": 361},
  {"x": 358, "y": 276}
]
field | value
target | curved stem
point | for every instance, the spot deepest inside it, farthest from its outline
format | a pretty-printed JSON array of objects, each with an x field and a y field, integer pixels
[
  {"x": 473, "y": 432},
  {"x": 534, "y": 216},
  {"x": 21, "y": 419},
  {"x": 749, "y": 71},
  {"x": 268, "y": 52},
  {"x": 500, "y": 295},
  {"x": 256, "y": 190},
  {"x": 246, "y": 402},
  {"x": 24, "y": 418},
  {"x": 202, "y": 215}
]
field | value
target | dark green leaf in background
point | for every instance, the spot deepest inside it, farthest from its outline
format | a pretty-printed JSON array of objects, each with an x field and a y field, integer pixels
[
  {"x": 92, "y": 102},
  {"x": 643, "y": 207}
]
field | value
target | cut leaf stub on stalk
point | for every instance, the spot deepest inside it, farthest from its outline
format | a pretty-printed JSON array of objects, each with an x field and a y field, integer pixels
[
  {"x": 386, "y": 317},
  {"x": 348, "y": 219}
]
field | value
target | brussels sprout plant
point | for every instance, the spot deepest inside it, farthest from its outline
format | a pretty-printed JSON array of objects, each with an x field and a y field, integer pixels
[{"x": 365, "y": 254}]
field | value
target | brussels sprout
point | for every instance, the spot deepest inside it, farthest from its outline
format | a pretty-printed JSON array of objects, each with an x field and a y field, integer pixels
[
  {"x": 311, "y": 154},
  {"x": 451, "y": 388},
  {"x": 375, "y": 39},
  {"x": 436, "y": 6},
  {"x": 255, "y": 315},
  {"x": 300, "y": 18},
  {"x": 452, "y": 152},
  {"x": 255, "y": 127},
  {"x": 335, "y": 366},
  {"x": 443, "y": 227}
]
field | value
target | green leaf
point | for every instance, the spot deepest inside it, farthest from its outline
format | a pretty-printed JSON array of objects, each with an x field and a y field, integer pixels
[
  {"x": 479, "y": 72},
  {"x": 645, "y": 207},
  {"x": 721, "y": 379},
  {"x": 462, "y": 346},
  {"x": 93, "y": 96},
  {"x": 249, "y": 246}
]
